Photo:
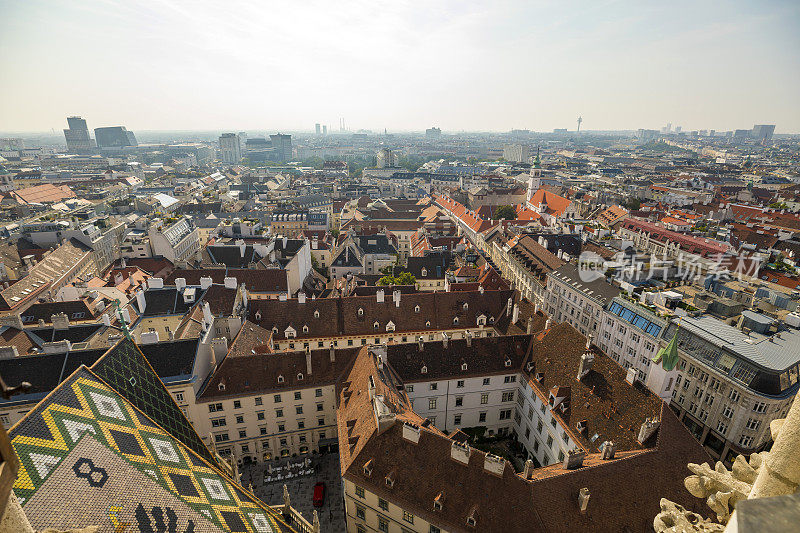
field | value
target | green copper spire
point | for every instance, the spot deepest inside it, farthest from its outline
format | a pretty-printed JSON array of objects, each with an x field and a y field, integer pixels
[
  {"x": 668, "y": 355},
  {"x": 122, "y": 320}
]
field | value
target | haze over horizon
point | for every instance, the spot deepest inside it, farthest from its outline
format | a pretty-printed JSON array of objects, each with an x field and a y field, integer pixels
[{"x": 619, "y": 64}]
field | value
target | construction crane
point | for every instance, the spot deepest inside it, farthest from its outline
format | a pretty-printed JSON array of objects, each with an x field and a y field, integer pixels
[{"x": 580, "y": 119}]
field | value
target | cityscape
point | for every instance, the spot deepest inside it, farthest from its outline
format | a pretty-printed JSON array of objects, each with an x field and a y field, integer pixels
[{"x": 368, "y": 316}]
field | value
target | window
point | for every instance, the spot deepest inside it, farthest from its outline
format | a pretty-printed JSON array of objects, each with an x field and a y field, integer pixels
[
  {"x": 727, "y": 412},
  {"x": 510, "y": 379},
  {"x": 409, "y": 388},
  {"x": 722, "y": 427},
  {"x": 433, "y": 386},
  {"x": 733, "y": 395},
  {"x": 298, "y": 409},
  {"x": 746, "y": 441},
  {"x": 549, "y": 441},
  {"x": 482, "y": 417},
  {"x": 760, "y": 407},
  {"x": 484, "y": 398},
  {"x": 360, "y": 512},
  {"x": 360, "y": 491},
  {"x": 457, "y": 420},
  {"x": 485, "y": 381},
  {"x": 239, "y": 419},
  {"x": 432, "y": 403},
  {"x": 221, "y": 437},
  {"x": 278, "y": 413},
  {"x": 460, "y": 384},
  {"x": 262, "y": 430},
  {"x": 435, "y": 529},
  {"x": 459, "y": 401},
  {"x": 242, "y": 433},
  {"x": 237, "y": 404},
  {"x": 752, "y": 424},
  {"x": 259, "y": 401},
  {"x": 282, "y": 428},
  {"x": 408, "y": 517},
  {"x": 321, "y": 421},
  {"x": 301, "y": 424},
  {"x": 214, "y": 407},
  {"x": 218, "y": 422},
  {"x": 179, "y": 397},
  {"x": 508, "y": 396},
  {"x": 318, "y": 393},
  {"x": 277, "y": 398},
  {"x": 505, "y": 414},
  {"x": 320, "y": 407},
  {"x": 297, "y": 395},
  {"x": 383, "y": 525}
]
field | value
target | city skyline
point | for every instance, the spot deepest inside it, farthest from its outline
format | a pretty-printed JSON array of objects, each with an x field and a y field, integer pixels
[{"x": 461, "y": 67}]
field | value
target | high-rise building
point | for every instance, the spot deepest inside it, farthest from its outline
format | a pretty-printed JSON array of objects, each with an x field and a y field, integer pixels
[
  {"x": 763, "y": 132},
  {"x": 114, "y": 137},
  {"x": 77, "y": 136},
  {"x": 518, "y": 153},
  {"x": 386, "y": 158},
  {"x": 282, "y": 144},
  {"x": 317, "y": 128},
  {"x": 231, "y": 148},
  {"x": 324, "y": 130},
  {"x": 433, "y": 133}
]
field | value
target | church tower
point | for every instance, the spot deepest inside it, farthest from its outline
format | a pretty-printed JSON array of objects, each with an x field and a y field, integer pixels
[{"x": 535, "y": 178}]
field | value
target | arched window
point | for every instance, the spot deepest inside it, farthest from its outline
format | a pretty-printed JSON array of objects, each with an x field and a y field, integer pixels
[
  {"x": 280, "y": 378},
  {"x": 360, "y": 312},
  {"x": 316, "y": 313}
]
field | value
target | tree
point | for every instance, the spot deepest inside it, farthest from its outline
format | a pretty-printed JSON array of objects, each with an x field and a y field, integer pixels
[
  {"x": 406, "y": 278},
  {"x": 505, "y": 212}
]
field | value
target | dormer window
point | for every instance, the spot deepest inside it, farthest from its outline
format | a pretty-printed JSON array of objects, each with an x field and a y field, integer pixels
[
  {"x": 464, "y": 366},
  {"x": 300, "y": 376},
  {"x": 481, "y": 320},
  {"x": 316, "y": 313},
  {"x": 376, "y": 325},
  {"x": 491, "y": 320},
  {"x": 360, "y": 312},
  {"x": 424, "y": 369},
  {"x": 390, "y": 479},
  {"x": 221, "y": 386},
  {"x": 508, "y": 362},
  {"x": 428, "y": 324},
  {"x": 258, "y": 315},
  {"x": 416, "y": 309},
  {"x": 290, "y": 333},
  {"x": 390, "y": 326},
  {"x": 465, "y": 306},
  {"x": 274, "y": 330},
  {"x": 305, "y": 329},
  {"x": 280, "y": 378},
  {"x": 368, "y": 468},
  {"x": 424, "y": 272},
  {"x": 455, "y": 321}
]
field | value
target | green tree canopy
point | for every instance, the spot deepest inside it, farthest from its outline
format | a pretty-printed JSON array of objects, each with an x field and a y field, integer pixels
[
  {"x": 406, "y": 278},
  {"x": 505, "y": 212}
]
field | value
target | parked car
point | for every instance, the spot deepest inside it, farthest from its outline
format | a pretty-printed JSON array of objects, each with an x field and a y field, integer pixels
[{"x": 319, "y": 494}]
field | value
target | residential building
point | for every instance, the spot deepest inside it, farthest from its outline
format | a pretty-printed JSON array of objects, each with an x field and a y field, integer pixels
[
  {"x": 570, "y": 299},
  {"x": 282, "y": 146},
  {"x": 176, "y": 240},
  {"x": 231, "y": 148}
]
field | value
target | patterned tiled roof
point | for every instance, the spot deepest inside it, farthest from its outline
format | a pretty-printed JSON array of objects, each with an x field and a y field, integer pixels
[{"x": 89, "y": 453}]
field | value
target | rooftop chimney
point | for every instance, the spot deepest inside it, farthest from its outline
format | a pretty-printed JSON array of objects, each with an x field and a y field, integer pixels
[
  {"x": 379, "y": 295},
  {"x": 420, "y": 343},
  {"x": 333, "y": 354},
  {"x": 587, "y": 361},
  {"x": 509, "y": 306},
  {"x": 468, "y": 336},
  {"x": 527, "y": 473},
  {"x": 8, "y": 352},
  {"x": 530, "y": 325},
  {"x": 460, "y": 452},
  {"x": 547, "y": 323},
  {"x": 205, "y": 283},
  {"x": 583, "y": 499},
  {"x": 301, "y": 297},
  {"x": 607, "y": 450},
  {"x": 180, "y": 283},
  {"x": 444, "y": 340},
  {"x": 411, "y": 432},
  {"x": 574, "y": 459},
  {"x": 308, "y": 361},
  {"x": 649, "y": 427},
  {"x": 60, "y": 321},
  {"x": 106, "y": 320},
  {"x": 396, "y": 298},
  {"x": 515, "y": 314},
  {"x": 230, "y": 282}
]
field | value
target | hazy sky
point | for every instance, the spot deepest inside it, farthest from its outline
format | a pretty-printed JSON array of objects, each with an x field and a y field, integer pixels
[{"x": 403, "y": 65}]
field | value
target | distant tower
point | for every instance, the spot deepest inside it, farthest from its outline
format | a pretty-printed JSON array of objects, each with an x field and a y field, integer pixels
[
  {"x": 317, "y": 128},
  {"x": 535, "y": 178},
  {"x": 580, "y": 119}
]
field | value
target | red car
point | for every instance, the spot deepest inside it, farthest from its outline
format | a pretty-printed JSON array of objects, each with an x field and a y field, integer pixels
[{"x": 319, "y": 494}]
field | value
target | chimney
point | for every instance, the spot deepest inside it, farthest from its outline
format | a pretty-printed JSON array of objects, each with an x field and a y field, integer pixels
[
  {"x": 285, "y": 242},
  {"x": 205, "y": 283},
  {"x": 530, "y": 325},
  {"x": 155, "y": 283},
  {"x": 420, "y": 343},
  {"x": 460, "y": 452},
  {"x": 180, "y": 283},
  {"x": 106, "y": 320},
  {"x": 14, "y": 321},
  {"x": 480, "y": 289},
  {"x": 547, "y": 323},
  {"x": 126, "y": 316},
  {"x": 536, "y": 309},
  {"x": 379, "y": 296},
  {"x": 230, "y": 282},
  {"x": 444, "y": 340},
  {"x": 527, "y": 473},
  {"x": 301, "y": 297},
  {"x": 515, "y": 314},
  {"x": 587, "y": 360},
  {"x": 574, "y": 459},
  {"x": 411, "y": 432},
  {"x": 308, "y": 361},
  {"x": 8, "y": 352},
  {"x": 649, "y": 427},
  {"x": 509, "y": 306},
  {"x": 333, "y": 354},
  {"x": 583, "y": 499},
  {"x": 60, "y": 321},
  {"x": 630, "y": 377},
  {"x": 494, "y": 464},
  {"x": 396, "y": 298},
  {"x": 148, "y": 337},
  {"x": 607, "y": 450},
  {"x": 468, "y": 336}
]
